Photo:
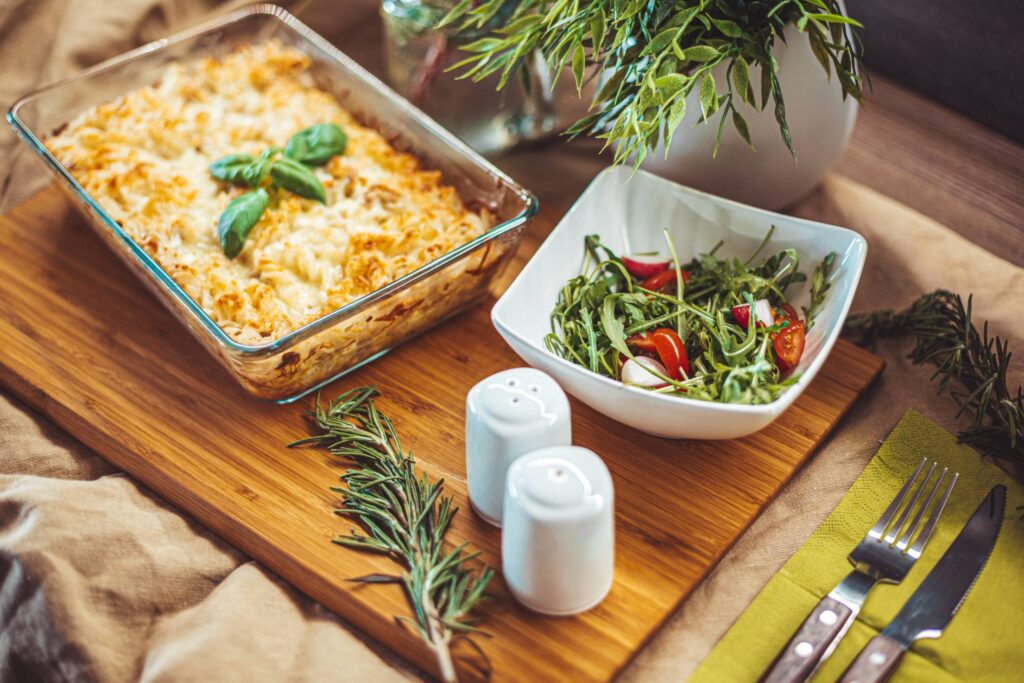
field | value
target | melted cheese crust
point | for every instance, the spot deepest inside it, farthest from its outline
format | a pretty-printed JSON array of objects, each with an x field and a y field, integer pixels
[{"x": 144, "y": 158}]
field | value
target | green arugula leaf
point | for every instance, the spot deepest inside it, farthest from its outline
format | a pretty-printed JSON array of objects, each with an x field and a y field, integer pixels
[
  {"x": 612, "y": 325},
  {"x": 288, "y": 173},
  {"x": 238, "y": 220},
  {"x": 317, "y": 144},
  {"x": 819, "y": 287}
]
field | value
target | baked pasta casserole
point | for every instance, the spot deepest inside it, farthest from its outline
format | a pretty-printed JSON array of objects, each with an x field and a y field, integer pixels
[{"x": 146, "y": 156}]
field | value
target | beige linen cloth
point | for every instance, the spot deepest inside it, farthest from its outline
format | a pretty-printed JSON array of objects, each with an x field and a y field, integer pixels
[{"x": 102, "y": 580}]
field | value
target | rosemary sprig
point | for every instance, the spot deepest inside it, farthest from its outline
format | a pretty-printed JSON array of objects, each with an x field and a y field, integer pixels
[
  {"x": 651, "y": 54},
  {"x": 402, "y": 515},
  {"x": 972, "y": 364}
]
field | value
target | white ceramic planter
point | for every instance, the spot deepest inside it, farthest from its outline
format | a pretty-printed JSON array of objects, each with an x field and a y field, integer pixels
[{"x": 819, "y": 119}]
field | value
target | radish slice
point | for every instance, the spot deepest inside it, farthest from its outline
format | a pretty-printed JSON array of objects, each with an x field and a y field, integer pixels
[
  {"x": 645, "y": 265},
  {"x": 764, "y": 314},
  {"x": 742, "y": 315},
  {"x": 634, "y": 371}
]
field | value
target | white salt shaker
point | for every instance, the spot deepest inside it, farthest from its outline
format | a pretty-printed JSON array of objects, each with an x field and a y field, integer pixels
[
  {"x": 508, "y": 414},
  {"x": 558, "y": 539}
]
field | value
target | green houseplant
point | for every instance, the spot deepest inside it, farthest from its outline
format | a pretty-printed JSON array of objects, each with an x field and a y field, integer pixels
[{"x": 719, "y": 64}]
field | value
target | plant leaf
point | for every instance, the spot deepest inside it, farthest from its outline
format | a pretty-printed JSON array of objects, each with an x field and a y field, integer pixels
[
  {"x": 317, "y": 144},
  {"x": 729, "y": 28},
  {"x": 820, "y": 53},
  {"x": 597, "y": 27},
  {"x": 238, "y": 220},
  {"x": 298, "y": 178},
  {"x": 699, "y": 53},
  {"x": 659, "y": 42},
  {"x": 741, "y": 127},
  {"x": 766, "y": 84},
  {"x": 708, "y": 100},
  {"x": 579, "y": 63},
  {"x": 231, "y": 167},
  {"x": 256, "y": 172},
  {"x": 828, "y": 18},
  {"x": 612, "y": 325},
  {"x": 741, "y": 78},
  {"x": 675, "y": 117},
  {"x": 671, "y": 84}
]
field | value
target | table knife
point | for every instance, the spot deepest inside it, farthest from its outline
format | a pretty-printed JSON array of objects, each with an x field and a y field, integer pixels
[{"x": 932, "y": 606}]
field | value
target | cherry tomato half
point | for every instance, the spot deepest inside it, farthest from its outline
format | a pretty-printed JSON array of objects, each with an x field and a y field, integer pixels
[
  {"x": 789, "y": 344},
  {"x": 656, "y": 283},
  {"x": 787, "y": 313},
  {"x": 669, "y": 347}
]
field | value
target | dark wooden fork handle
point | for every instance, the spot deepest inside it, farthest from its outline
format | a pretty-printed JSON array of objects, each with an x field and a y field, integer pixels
[
  {"x": 808, "y": 645},
  {"x": 876, "y": 662}
]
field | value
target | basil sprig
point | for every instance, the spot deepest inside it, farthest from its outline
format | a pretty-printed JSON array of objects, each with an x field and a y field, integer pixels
[
  {"x": 313, "y": 146},
  {"x": 231, "y": 169},
  {"x": 297, "y": 178},
  {"x": 239, "y": 218},
  {"x": 317, "y": 144}
]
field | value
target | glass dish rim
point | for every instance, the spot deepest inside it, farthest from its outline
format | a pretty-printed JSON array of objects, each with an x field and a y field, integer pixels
[{"x": 154, "y": 269}]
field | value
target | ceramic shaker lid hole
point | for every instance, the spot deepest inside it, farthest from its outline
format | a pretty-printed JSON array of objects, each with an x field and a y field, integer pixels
[
  {"x": 510, "y": 401},
  {"x": 555, "y": 483}
]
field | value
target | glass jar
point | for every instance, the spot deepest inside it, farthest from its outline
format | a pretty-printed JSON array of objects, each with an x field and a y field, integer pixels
[{"x": 490, "y": 121}]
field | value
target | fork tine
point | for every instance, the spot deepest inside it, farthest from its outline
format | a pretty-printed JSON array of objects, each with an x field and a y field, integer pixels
[
  {"x": 894, "y": 531},
  {"x": 912, "y": 527},
  {"x": 879, "y": 528},
  {"x": 926, "y": 532}
]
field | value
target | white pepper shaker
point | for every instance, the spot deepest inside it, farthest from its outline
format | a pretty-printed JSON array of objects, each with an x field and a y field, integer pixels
[
  {"x": 558, "y": 540},
  {"x": 508, "y": 414}
]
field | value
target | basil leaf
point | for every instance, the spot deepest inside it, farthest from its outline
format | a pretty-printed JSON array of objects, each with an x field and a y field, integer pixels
[
  {"x": 238, "y": 220},
  {"x": 295, "y": 177},
  {"x": 257, "y": 171},
  {"x": 231, "y": 168},
  {"x": 317, "y": 144}
]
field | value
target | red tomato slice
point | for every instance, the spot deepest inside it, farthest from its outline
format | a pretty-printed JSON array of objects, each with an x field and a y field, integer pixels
[
  {"x": 787, "y": 313},
  {"x": 641, "y": 341},
  {"x": 669, "y": 347},
  {"x": 789, "y": 344},
  {"x": 672, "y": 352},
  {"x": 658, "y": 282}
]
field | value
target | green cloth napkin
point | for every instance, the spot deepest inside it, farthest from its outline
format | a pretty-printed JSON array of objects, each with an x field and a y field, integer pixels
[{"x": 985, "y": 640}]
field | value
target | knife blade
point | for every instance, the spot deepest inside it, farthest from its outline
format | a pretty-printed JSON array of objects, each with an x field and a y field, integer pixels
[{"x": 930, "y": 609}]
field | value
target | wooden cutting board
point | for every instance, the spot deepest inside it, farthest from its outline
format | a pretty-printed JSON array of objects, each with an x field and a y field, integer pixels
[{"x": 82, "y": 341}]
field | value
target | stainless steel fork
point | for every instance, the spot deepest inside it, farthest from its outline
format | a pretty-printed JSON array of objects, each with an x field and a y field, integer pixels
[{"x": 885, "y": 555}]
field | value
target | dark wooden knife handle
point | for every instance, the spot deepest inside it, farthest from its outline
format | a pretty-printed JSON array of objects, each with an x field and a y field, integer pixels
[
  {"x": 876, "y": 662},
  {"x": 808, "y": 645}
]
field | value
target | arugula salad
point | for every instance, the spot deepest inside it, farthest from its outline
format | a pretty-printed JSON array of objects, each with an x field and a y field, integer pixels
[{"x": 713, "y": 329}]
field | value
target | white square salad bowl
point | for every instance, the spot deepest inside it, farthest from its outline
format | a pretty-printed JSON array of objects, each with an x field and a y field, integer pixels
[{"x": 630, "y": 213}]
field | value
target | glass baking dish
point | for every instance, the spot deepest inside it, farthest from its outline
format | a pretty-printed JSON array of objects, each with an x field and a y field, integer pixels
[{"x": 312, "y": 355}]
